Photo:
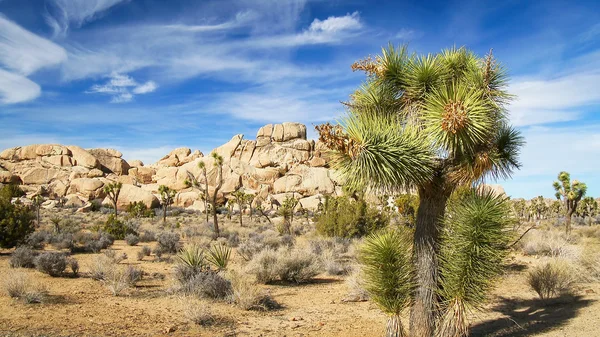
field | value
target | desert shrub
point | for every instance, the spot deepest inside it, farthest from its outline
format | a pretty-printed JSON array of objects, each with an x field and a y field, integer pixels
[
  {"x": 590, "y": 232},
  {"x": 62, "y": 241},
  {"x": 148, "y": 236},
  {"x": 117, "y": 228},
  {"x": 345, "y": 217},
  {"x": 551, "y": 243},
  {"x": 590, "y": 262},
  {"x": 138, "y": 209},
  {"x": 117, "y": 279},
  {"x": 132, "y": 239},
  {"x": 18, "y": 284},
  {"x": 332, "y": 263},
  {"x": 258, "y": 242},
  {"x": 16, "y": 220},
  {"x": 10, "y": 191},
  {"x": 356, "y": 286},
  {"x": 246, "y": 294},
  {"x": 197, "y": 313},
  {"x": 207, "y": 284},
  {"x": 298, "y": 266},
  {"x": 73, "y": 265},
  {"x": 145, "y": 251},
  {"x": 84, "y": 242},
  {"x": 264, "y": 265},
  {"x": 218, "y": 255},
  {"x": 114, "y": 256},
  {"x": 23, "y": 257},
  {"x": 337, "y": 244},
  {"x": 407, "y": 205},
  {"x": 233, "y": 239},
  {"x": 38, "y": 239},
  {"x": 168, "y": 242},
  {"x": 100, "y": 266},
  {"x": 133, "y": 275},
  {"x": 551, "y": 279},
  {"x": 51, "y": 263}
]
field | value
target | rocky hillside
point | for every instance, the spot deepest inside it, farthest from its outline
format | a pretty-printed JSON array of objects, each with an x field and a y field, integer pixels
[{"x": 280, "y": 161}]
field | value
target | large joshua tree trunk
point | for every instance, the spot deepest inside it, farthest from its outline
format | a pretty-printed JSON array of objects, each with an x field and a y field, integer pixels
[
  {"x": 433, "y": 197},
  {"x": 394, "y": 327}
]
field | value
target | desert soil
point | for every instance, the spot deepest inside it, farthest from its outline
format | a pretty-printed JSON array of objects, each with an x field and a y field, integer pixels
[{"x": 85, "y": 307}]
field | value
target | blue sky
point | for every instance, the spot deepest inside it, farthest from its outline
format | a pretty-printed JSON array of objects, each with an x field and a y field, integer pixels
[{"x": 147, "y": 76}]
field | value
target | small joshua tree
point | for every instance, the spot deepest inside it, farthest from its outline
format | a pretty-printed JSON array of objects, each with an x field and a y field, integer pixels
[
  {"x": 193, "y": 182},
  {"x": 112, "y": 190},
  {"x": 571, "y": 193},
  {"x": 240, "y": 199},
  {"x": 538, "y": 207},
  {"x": 37, "y": 203},
  {"x": 219, "y": 166},
  {"x": 166, "y": 199},
  {"x": 588, "y": 207},
  {"x": 248, "y": 199}
]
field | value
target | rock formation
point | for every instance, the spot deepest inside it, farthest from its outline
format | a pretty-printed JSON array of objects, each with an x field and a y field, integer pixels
[{"x": 280, "y": 161}]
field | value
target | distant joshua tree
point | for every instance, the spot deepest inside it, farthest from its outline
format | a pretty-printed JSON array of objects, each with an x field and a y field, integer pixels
[
  {"x": 113, "y": 190},
  {"x": 166, "y": 199},
  {"x": 193, "y": 182},
  {"x": 571, "y": 193}
]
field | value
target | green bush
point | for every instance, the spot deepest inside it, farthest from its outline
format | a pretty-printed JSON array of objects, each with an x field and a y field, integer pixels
[
  {"x": 117, "y": 228},
  {"x": 138, "y": 209},
  {"x": 407, "y": 205},
  {"x": 345, "y": 217},
  {"x": 16, "y": 220}
]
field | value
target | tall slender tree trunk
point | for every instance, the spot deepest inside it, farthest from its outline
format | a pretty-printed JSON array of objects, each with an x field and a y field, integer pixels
[
  {"x": 568, "y": 222},
  {"x": 433, "y": 198},
  {"x": 214, "y": 211}
]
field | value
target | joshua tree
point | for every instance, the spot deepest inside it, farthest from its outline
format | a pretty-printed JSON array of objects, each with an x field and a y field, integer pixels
[
  {"x": 112, "y": 190},
  {"x": 56, "y": 222},
  {"x": 555, "y": 208},
  {"x": 538, "y": 207},
  {"x": 261, "y": 210},
  {"x": 249, "y": 198},
  {"x": 193, "y": 182},
  {"x": 240, "y": 199},
  {"x": 519, "y": 206},
  {"x": 37, "y": 204},
  {"x": 166, "y": 199},
  {"x": 429, "y": 123},
  {"x": 588, "y": 208},
  {"x": 571, "y": 193},
  {"x": 219, "y": 165}
]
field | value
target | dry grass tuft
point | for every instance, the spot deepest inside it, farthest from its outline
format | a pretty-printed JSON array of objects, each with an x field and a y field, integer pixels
[
  {"x": 18, "y": 284},
  {"x": 552, "y": 279}
]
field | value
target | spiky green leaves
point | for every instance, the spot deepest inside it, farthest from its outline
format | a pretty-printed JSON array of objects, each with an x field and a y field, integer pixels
[
  {"x": 382, "y": 154},
  {"x": 458, "y": 119},
  {"x": 571, "y": 191},
  {"x": 473, "y": 247},
  {"x": 388, "y": 270}
]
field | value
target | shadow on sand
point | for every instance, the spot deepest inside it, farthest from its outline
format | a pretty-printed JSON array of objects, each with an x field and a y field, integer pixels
[{"x": 529, "y": 317}]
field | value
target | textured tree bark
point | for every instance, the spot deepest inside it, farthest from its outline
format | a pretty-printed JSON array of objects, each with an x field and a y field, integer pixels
[
  {"x": 394, "y": 327},
  {"x": 433, "y": 198}
]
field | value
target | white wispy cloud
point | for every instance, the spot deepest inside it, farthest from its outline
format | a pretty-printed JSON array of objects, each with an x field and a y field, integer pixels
[
  {"x": 22, "y": 53},
  {"x": 61, "y": 14},
  {"x": 15, "y": 88},
  {"x": 407, "y": 34},
  {"x": 122, "y": 88},
  {"x": 561, "y": 98}
]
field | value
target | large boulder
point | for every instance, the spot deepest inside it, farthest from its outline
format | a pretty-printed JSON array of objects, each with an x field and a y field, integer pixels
[
  {"x": 81, "y": 157},
  {"x": 89, "y": 188},
  {"x": 288, "y": 183},
  {"x": 130, "y": 193},
  {"x": 142, "y": 174},
  {"x": 38, "y": 175},
  {"x": 8, "y": 178},
  {"x": 228, "y": 149},
  {"x": 110, "y": 161}
]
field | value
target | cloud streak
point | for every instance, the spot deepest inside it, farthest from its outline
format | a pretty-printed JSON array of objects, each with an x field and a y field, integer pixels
[
  {"x": 61, "y": 14},
  {"x": 122, "y": 88}
]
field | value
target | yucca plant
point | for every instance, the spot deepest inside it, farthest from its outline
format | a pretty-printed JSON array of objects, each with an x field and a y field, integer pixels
[
  {"x": 192, "y": 258},
  {"x": 430, "y": 124},
  {"x": 388, "y": 275},
  {"x": 474, "y": 244},
  {"x": 218, "y": 255},
  {"x": 571, "y": 194}
]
